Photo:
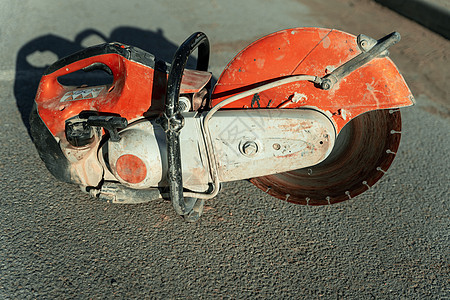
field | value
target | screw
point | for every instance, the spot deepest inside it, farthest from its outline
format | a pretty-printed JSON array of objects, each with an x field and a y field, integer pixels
[
  {"x": 326, "y": 84},
  {"x": 249, "y": 148},
  {"x": 276, "y": 146}
]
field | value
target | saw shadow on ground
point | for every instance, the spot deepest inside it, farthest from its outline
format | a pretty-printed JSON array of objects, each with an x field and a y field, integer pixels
[{"x": 35, "y": 56}]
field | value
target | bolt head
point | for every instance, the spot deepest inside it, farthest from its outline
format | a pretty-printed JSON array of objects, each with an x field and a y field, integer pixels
[
  {"x": 249, "y": 148},
  {"x": 326, "y": 84}
]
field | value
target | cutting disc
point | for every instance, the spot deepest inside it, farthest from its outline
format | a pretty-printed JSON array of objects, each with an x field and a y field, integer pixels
[{"x": 364, "y": 150}]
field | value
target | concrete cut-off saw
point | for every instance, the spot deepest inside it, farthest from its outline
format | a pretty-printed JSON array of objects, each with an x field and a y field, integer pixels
[{"x": 308, "y": 115}]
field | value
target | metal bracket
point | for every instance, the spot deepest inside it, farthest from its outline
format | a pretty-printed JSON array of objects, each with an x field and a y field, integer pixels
[{"x": 365, "y": 43}]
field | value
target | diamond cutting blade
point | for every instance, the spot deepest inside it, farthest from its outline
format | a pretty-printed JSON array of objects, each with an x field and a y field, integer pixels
[{"x": 364, "y": 150}]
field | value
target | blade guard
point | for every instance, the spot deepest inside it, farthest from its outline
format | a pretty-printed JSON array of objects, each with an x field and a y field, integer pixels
[{"x": 312, "y": 51}]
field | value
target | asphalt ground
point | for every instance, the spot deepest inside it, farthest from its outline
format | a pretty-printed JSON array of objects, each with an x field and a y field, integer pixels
[
  {"x": 391, "y": 242},
  {"x": 433, "y": 14}
]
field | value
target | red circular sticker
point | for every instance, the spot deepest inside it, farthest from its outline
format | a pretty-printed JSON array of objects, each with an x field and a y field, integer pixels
[{"x": 131, "y": 168}]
